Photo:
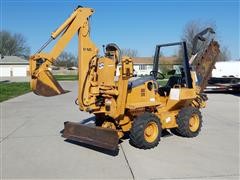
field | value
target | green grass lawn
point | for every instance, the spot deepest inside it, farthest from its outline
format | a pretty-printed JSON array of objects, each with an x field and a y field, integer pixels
[
  {"x": 162, "y": 82},
  {"x": 66, "y": 77},
  {"x": 10, "y": 90}
]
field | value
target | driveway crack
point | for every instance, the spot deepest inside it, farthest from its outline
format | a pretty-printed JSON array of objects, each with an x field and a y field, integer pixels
[
  {"x": 14, "y": 131},
  {"x": 125, "y": 156}
]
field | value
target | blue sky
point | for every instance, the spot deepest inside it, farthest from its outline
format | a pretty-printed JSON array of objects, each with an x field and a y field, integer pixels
[{"x": 137, "y": 25}]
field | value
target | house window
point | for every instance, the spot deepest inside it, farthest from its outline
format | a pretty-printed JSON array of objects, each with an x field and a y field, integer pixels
[{"x": 142, "y": 67}]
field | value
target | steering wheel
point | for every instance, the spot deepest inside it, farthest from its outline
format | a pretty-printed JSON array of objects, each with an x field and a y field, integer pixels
[{"x": 157, "y": 74}]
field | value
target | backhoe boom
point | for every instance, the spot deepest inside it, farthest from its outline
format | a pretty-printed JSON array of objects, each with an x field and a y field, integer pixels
[{"x": 43, "y": 83}]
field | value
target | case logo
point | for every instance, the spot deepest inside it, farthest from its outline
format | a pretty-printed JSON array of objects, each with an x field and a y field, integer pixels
[{"x": 100, "y": 65}]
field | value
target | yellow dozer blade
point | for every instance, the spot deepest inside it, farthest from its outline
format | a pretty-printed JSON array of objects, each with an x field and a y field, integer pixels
[
  {"x": 95, "y": 136},
  {"x": 44, "y": 84}
]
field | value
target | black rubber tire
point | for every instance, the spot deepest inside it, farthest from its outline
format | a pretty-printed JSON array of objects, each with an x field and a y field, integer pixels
[
  {"x": 137, "y": 131},
  {"x": 183, "y": 118}
]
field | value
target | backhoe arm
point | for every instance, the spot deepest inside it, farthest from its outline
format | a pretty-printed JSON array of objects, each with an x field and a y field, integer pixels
[{"x": 42, "y": 81}]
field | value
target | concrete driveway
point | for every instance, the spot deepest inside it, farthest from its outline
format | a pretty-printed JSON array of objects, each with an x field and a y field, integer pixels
[{"x": 32, "y": 146}]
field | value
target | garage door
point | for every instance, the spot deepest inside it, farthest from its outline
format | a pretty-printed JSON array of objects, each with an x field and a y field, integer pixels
[
  {"x": 5, "y": 71},
  {"x": 19, "y": 71}
]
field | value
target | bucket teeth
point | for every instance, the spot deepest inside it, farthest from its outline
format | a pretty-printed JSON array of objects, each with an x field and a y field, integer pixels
[{"x": 95, "y": 136}]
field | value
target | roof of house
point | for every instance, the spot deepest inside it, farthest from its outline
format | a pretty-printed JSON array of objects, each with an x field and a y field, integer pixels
[
  {"x": 149, "y": 60},
  {"x": 142, "y": 60},
  {"x": 6, "y": 60}
]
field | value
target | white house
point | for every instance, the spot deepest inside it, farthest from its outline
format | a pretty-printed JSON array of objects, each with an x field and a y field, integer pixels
[
  {"x": 141, "y": 65},
  {"x": 144, "y": 65},
  {"x": 13, "y": 66}
]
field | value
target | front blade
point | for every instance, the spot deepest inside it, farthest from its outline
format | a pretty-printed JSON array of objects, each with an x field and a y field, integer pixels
[
  {"x": 45, "y": 84},
  {"x": 95, "y": 136}
]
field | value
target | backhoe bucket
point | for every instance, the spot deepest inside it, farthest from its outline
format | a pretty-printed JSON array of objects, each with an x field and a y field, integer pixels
[
  {"x": 45, "y": 84},
  {"x": 96, "y": 136}
]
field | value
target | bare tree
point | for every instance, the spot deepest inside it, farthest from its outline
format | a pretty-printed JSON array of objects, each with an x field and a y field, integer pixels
[
  {"x": 194, "y": 27},
  {"x": 129, "y": 52},
  {"x": 66, "y": 59},
  {"x": 13, "y": 44},
  {"x": 191, "y": 29}
]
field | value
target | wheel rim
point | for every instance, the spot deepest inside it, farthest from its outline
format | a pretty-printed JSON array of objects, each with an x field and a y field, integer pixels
[
  {"x": 151, "y": 132},
  {"x": 194, "y": 123}
]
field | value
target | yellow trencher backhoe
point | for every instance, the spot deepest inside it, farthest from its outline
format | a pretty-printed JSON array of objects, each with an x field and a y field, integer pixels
[{"x": 123, "y": 104}]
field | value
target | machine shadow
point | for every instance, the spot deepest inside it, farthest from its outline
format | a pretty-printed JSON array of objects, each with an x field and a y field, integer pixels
[
  {"x": 66, "y": 91},
  {"x": 166, "y": 133},
  {"x": 88, "y": 120},
  {"x": 101, "y": 150}
]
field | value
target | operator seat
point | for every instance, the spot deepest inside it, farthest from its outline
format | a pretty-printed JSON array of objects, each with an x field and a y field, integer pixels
[{"x": 173, "y": 80}]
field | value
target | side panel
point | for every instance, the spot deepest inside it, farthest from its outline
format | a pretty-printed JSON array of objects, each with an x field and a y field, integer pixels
[
  {"x": 180, "y": 97},
  {"x": 106, "y": 72},
  {"x": 142, "y": 96},
  {"x": 168, "y": 118}
]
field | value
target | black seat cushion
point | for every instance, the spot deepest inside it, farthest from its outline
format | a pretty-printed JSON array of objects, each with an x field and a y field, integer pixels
[{"x": 173, "y": 80}]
